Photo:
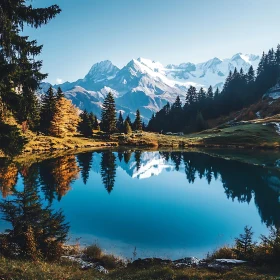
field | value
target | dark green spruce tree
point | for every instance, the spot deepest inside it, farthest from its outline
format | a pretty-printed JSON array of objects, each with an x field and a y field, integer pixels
[
  {"x": 137, "y": 157},
  {"x": 210, "y": 93},
  {"x": 108, "y": 170},
  {"x": 85, "y": 126},
  {"x": 128, "y": 120},
  {"x": 85, "y": 163},
  {"x": 91, "y": 117},
  {"x": 59, "y": 93},
  {"x": 108, "y": 115},
  {"x": 217, "y": 93},
  {"x": 137, "y": 125},
  {"x": 191, "y": 96},
  {"x": 20, "y": 72},
  {"x": 48, "y": 109},
  {"x": 96, "y": 124},
  {"x": 120, "y": 123},
  {"x": 36, "y": 231}
]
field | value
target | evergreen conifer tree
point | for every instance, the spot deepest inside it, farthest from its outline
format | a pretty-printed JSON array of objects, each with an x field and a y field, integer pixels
[
  {"x": 261, "y": 65},
  {"x": 151, "y": 124},
  {"x": 108, "y": 114},
  {"x": 227, "y": 82},
  {"x": 96, "y": 124},
  {"x": 244, "y": 245},
  {"x": 20, "y": 74},
  {"x": 85, "y": 124},
  {"x": 120, "y": 123},
  {"x": 85, "y": 163},
  {"x": 48, "y": 109},
  {"x": 128, "y": 120},
  {"x": 127, "y": 156},
  {"x": 210, "y": 93},
  {"x": 177, "y": 105},
  {"x": 250, "y": 76},
  {"x": 29, "y": 110},
  {"x": 36, "y": 231},
  {"x": 138, "y": 122},
  {"x": 137, "y": 157},
  {"x": 217, "y": 93},
  {"x": 201, "y": 95},
  {"x": 59, "y": 93},
  {"x": 191, "y": 96},
  {"x": 91, "y": 117},
  {"x": 108, "y": 170}
]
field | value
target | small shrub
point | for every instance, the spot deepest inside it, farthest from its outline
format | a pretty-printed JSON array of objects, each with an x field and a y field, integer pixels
[
  {"x": 244, "y": 244},
  {"x": 271, "y": 245},
  {"x": 109, "y": 261},
  {"x": 93, "y": 252}
]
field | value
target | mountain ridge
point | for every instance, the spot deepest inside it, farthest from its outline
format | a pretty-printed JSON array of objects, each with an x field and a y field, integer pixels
[{"x": 147, "y": 84}]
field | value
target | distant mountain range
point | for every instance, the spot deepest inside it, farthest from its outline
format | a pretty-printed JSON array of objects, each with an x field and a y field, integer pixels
[{"x": 148, "y": 85}]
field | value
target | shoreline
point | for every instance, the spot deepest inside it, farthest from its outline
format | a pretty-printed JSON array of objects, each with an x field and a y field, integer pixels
[{"x": 259, "y": 157}]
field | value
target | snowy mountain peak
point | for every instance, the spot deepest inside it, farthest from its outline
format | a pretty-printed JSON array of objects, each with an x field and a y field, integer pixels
[
  {"x": 147, "y": 85},
  {"x": 150, "y": 63},
  {"x": 239, "y": 56},
  {"x": 247, "y": 58},
  {"x": 101, "y": 71},
  {"x": 212, "y": 62}
]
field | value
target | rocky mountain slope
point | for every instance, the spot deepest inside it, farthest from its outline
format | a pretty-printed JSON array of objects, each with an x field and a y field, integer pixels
[{"x": 148, "y": 85}]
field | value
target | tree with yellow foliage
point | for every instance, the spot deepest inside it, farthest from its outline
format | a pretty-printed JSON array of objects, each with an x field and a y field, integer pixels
[
  {"x": 8, "y": 179},
  {"x": 65, "y": 171},
  {"x": 65, "y": 119}
]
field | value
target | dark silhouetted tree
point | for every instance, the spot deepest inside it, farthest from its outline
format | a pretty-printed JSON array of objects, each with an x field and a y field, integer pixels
[
  {"x": 36, "y": 231},
  {"x": 108, "y": 170},
  {"x": 137, "y": 125},
  {"x": 85, "y": 163},
  {"x": 120, "y": 123},
  {"x": 108, "y": 114}
]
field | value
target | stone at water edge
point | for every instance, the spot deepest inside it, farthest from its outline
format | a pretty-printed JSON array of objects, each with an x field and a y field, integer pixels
[
  {"x": 86, "y": 265},
  {"x": 229, "y": 261},
  {"x": 187, "y": 262}
]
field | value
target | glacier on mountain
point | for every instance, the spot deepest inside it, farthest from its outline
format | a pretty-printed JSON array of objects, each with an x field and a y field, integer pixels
[{"x": 148, "y": 85}]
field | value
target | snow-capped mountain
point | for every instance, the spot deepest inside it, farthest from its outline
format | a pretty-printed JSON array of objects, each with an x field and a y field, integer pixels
[
  {"x": 151, "y": 164},
  {"x": 148, "y": 85}
]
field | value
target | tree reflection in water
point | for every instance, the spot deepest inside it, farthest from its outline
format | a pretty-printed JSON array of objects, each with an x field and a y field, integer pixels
[{"x": 241, "y": 181}]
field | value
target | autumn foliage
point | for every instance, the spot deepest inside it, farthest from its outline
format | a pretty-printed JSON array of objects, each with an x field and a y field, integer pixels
[
  {"x": 65, "y": 119},
  {"x": 65, "y": 171},
  {"x": 8, "y": 179}
]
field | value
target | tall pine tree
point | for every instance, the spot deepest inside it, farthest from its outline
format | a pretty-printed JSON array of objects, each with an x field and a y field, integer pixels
[
  {"x": 108, "y": 115},
  {"x": 48, "y": 109},
  {"x": 138, "y": 122},
  {"x": 120, "y": 123}
]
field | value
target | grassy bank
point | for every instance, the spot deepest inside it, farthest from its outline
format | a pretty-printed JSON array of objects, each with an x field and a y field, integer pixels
[
  {"x": 247, "y": 135},
  {"x": 18, "y": 270},
  {"x": 262, "y": 150},
  {"x": 257, "y": 134}
]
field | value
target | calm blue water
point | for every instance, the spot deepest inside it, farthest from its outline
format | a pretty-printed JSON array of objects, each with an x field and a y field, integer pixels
[{"x": 165, "y": 204}]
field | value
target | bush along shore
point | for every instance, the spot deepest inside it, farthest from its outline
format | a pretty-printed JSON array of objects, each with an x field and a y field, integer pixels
[{"x": 245, "y": 260}]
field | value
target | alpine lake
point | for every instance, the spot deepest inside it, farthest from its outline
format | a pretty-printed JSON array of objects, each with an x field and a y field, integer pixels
[{"x": 167, "y": 204}]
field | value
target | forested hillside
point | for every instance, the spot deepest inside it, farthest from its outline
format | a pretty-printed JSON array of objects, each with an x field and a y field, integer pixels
[{"x": 240, "y": 91}]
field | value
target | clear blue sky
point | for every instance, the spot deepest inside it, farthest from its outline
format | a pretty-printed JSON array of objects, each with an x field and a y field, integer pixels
[{"x": 169, "y": 31}]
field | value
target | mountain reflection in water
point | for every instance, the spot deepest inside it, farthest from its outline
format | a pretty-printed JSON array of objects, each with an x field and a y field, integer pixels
[{"x": 169, "y": 204}]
